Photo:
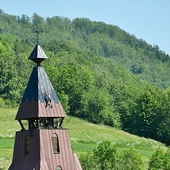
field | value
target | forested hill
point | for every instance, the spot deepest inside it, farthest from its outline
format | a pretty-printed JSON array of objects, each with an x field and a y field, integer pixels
[{"x": 100, "y": 72}]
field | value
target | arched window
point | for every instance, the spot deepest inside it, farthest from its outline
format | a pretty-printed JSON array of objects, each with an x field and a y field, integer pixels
[
  {"x": 27, "y": 145},
  {"x": 58, "y": 167},
  {"x": 55, "y": 143}
]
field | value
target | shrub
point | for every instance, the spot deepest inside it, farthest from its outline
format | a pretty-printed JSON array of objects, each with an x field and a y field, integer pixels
[
  {"x": 156, "y": 161},
  {"x": 130, "y": 159}
]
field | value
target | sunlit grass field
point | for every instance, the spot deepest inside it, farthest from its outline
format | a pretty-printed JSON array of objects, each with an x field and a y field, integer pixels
[{"x": 84, "y": 137}]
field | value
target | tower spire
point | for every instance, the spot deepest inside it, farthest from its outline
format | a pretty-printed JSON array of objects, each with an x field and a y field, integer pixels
[{"x": 38, "y": 54}]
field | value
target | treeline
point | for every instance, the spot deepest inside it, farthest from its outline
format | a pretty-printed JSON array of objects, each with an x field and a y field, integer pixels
[
  {"x": 100, "y": 72},
  {"x": 147, "y": 61}
]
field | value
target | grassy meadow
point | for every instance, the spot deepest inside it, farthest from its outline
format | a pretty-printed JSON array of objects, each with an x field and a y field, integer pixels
[{"x": 84, "y": 137}]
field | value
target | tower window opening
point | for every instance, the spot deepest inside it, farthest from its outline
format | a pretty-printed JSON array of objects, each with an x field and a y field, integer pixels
[
  {"x": 55, "y": 143},
  {"x": 58, "y": 123},
  {"x": 24, "y": 124},
  {"x": 33, "y": 123}
]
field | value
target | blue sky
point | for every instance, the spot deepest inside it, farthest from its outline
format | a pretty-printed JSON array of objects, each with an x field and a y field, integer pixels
[{"x": 146, "y": 19}]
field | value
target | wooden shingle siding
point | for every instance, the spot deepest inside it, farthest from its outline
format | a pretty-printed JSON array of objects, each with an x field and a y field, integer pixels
[{"x": 41, "y": 151}]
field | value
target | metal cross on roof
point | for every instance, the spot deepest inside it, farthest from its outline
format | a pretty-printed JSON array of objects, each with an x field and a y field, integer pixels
[{"x": 38, "y": 32}]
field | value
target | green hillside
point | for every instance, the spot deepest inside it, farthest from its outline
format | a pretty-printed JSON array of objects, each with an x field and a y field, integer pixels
[
  {"x": 84, "y": 137},
  {"x": 101, "y": 73}
]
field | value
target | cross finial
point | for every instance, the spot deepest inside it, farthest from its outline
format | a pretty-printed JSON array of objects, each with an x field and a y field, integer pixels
[{"x": 38, "y": 32}]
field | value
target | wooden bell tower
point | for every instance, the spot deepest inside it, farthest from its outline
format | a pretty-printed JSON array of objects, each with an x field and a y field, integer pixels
[{"x": 42, "y": 143}]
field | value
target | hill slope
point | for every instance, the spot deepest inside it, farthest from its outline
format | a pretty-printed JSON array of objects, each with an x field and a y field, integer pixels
[
  {"x": 84, "y": 137},
  {"x": 100, "y": 72}
]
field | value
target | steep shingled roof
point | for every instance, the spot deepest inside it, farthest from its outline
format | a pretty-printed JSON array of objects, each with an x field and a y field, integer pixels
[{"x": 34, "y": 103}]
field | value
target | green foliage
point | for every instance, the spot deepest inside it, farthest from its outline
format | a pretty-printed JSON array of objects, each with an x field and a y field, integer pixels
[
  {"x": 166, "y": 159},
  {"x": 105, "y": 156},
  {"x": 160, "y": 160},
  {"x": 97, "y": 108},
  {"x": 87, "y": 161},
  {"x": 164, "y": 118},
  {"x": 2, "y": 103},
  {"x": 130, "y": 159}
]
